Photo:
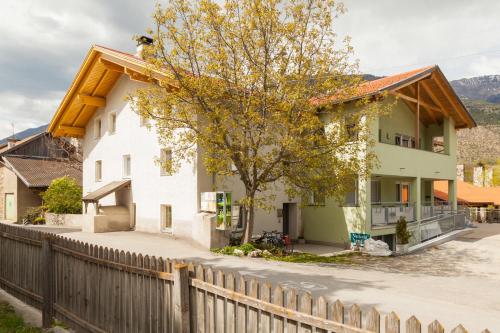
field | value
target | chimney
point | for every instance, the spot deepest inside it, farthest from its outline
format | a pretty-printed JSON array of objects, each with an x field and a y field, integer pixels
[
  {"x": 11, "y": 141},
  {"x": 141, "y": 43}
]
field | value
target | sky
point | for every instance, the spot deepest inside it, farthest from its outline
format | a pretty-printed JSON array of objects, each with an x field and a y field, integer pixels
[{"x": 43, "y": 43}]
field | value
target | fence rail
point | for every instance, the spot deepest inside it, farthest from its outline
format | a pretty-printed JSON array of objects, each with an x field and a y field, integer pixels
[{"x": 96, "y": 289}]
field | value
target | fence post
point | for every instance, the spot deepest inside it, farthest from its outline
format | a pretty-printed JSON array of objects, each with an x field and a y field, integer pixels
[
  {"x": 181, "y": 298},
  {"x": 47, "y": 276}
]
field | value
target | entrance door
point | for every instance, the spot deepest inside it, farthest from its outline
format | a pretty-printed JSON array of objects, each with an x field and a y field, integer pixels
[
  {"x": 286, "y": 218},
  {"x": 290, "y": 217},
  {"x": 10, "y": 213}
]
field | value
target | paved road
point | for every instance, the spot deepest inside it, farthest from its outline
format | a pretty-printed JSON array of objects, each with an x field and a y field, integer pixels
[{"x": 457, "y": 282}]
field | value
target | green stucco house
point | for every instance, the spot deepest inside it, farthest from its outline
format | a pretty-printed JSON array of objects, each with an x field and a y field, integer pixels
[{"x": 415, "y": 145}]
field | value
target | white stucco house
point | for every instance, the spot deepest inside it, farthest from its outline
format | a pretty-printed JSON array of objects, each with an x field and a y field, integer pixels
[{"x": 124, "y": 186}]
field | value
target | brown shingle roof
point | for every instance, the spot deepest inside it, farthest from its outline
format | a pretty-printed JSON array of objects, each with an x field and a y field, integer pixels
[{"x": 38, "y": 172}]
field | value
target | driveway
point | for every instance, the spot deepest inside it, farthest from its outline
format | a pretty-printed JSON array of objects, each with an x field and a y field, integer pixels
[{"x": 456, "y": 282}]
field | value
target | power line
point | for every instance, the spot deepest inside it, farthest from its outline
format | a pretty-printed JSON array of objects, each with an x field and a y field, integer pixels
[{"x": 435, "y": 60}]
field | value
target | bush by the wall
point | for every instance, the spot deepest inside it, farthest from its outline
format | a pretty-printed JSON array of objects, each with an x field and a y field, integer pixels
[{"x": 64, "y": 196}]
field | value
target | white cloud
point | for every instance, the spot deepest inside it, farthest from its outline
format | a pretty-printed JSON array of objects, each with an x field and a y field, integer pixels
[
  {"x": 485, "y": 66},
  {"x": 25, "y": 112}
]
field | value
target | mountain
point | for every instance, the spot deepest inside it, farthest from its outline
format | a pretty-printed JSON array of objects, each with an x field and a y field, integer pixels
[
  {"x": 481, "y": 95},
  {"x": 486, "y": 88},
  {"x": 24, "y": 134}
]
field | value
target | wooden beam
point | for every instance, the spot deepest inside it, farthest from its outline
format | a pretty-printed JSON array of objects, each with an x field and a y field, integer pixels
[
  {"x": 71, "y": 130},
  {"x": 434, "y": 98},
  {"x": 414, "y": 100},
  {"x": 110, "y": 66},
  {"x": 417, "y": 119},
  {"x": 133, "y": 75},
  {"x": 92, "y": 100},
  {"x": 427, "y": 111},
  {"x": 451, "y": 98}
]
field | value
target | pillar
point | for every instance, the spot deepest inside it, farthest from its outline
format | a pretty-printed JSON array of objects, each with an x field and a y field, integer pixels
[
  {"x": 417, "y": 197},
  {"x": 452, "y": 194}
]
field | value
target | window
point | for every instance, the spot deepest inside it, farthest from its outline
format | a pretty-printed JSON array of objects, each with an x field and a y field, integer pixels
[
  {"x": 127, "y": 166},
  {"x": 144, "y": 121},
  {"x": 317, "y": 198},
  {"x": 166, "y": 217},
  {"x": 97, "y": 128},
  {"x": 404, "y": 141},
  {"x": 112, "y": 123},
  {"x": 352, "y": 131},
  {"x": 98, "y": 171},
  {"x": 165, "y": 158},
  {"x": 351, "y": 198},
  {"x": 376, "y": 191}
]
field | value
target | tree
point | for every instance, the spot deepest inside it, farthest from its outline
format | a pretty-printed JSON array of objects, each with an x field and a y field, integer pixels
[
  {"x": 248, "y": 86},
  {"x": 64, "y": 196}
]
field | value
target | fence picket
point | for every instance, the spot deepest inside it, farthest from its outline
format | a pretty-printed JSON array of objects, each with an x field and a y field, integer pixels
[
  {"x": 459, "y": 329},
  {"x": 435, "y": 327},
  {"x": 253, "y": 289},
  {"x": 230, "y": 306},
  {"x": 210, "y": 299},
  {"x": 305, "y": 304},
  {"x": 373, "y": 321},
  {"x": 219, "y": 303},
  {"x": 338, "y": 312},
  {"x": 241, "y": 309},
  {"x": 392, "y": 323},
  {"x": 354, "y": 316},
  {"x": 200, "y": 301},
  {"x": 278, "y": 299},
  {"x": 265, "y": 318},
  {"x": 413, "y": 325},
  {"x": 291, "y": 303}
]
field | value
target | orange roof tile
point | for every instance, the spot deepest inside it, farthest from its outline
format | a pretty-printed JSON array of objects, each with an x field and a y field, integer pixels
[
  {"x": 468, "y": 193},
  {"x": 374, "y": 87}
]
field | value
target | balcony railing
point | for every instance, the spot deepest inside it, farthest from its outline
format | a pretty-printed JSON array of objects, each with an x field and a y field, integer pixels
[
  {"x": 429, "y": 210},
  {"x": 385, "y": 213}
]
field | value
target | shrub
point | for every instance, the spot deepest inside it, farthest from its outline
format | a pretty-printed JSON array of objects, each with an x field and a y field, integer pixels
[
  {"x": 64, "y": 196},
  {"x": 402, "y": 233},
  {"x": 39, "y": 220}
]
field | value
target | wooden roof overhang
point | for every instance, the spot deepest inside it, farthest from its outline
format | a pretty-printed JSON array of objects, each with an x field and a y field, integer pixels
[
  {"x": 426, "y": 92},
  {"x": 98, "y": 74},
  {"x": 431, "y": 96}
]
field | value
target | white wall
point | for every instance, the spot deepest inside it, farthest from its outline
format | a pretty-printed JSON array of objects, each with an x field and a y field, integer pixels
[{"x": 149, "y": 190}]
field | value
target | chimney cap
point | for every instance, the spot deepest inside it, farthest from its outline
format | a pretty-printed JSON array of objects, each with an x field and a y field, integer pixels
[
  {"x": 144, "y": 40},
  {"x": 12, "y": 138}
]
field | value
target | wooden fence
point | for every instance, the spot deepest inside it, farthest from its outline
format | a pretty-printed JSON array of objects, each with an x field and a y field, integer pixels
[{"x": 96, "y": 289}]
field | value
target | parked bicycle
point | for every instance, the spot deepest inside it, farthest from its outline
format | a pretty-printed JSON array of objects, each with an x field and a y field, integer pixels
[{"x": 271, "y": 238}]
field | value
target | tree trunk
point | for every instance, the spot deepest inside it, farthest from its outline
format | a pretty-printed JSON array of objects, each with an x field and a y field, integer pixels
[{"x": 250, "y": 212}]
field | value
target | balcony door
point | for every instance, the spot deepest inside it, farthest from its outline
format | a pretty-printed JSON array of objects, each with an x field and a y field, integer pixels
[{"x": 403, "y": 193}]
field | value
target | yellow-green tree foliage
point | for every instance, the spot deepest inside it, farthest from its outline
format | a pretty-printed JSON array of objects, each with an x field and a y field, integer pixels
[{"x": 248, "y": 88}]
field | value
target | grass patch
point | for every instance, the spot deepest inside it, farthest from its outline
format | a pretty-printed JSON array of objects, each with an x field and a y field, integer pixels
[
  {"x": 314, "y": 258},
  {"x": 10, "y": 322},
  {"x": 278, "y": 254}
]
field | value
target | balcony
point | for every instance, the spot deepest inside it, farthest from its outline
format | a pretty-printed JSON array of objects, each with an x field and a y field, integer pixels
[{"x": 387, "y": 213}]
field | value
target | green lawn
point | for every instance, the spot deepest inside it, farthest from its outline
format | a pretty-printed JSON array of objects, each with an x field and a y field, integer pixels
[{"x": 10, "y": 322}]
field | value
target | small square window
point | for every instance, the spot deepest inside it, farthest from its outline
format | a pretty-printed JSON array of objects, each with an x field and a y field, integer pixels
[
  {"x": 166, "y": 217},
  {"x": 98, "y": 128},
  {"x": 127, "y": 166},
  {"x": 112, "y": 123},
  {"x": 165, "y": 157},
  {"x": 98, "y": 171}
]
